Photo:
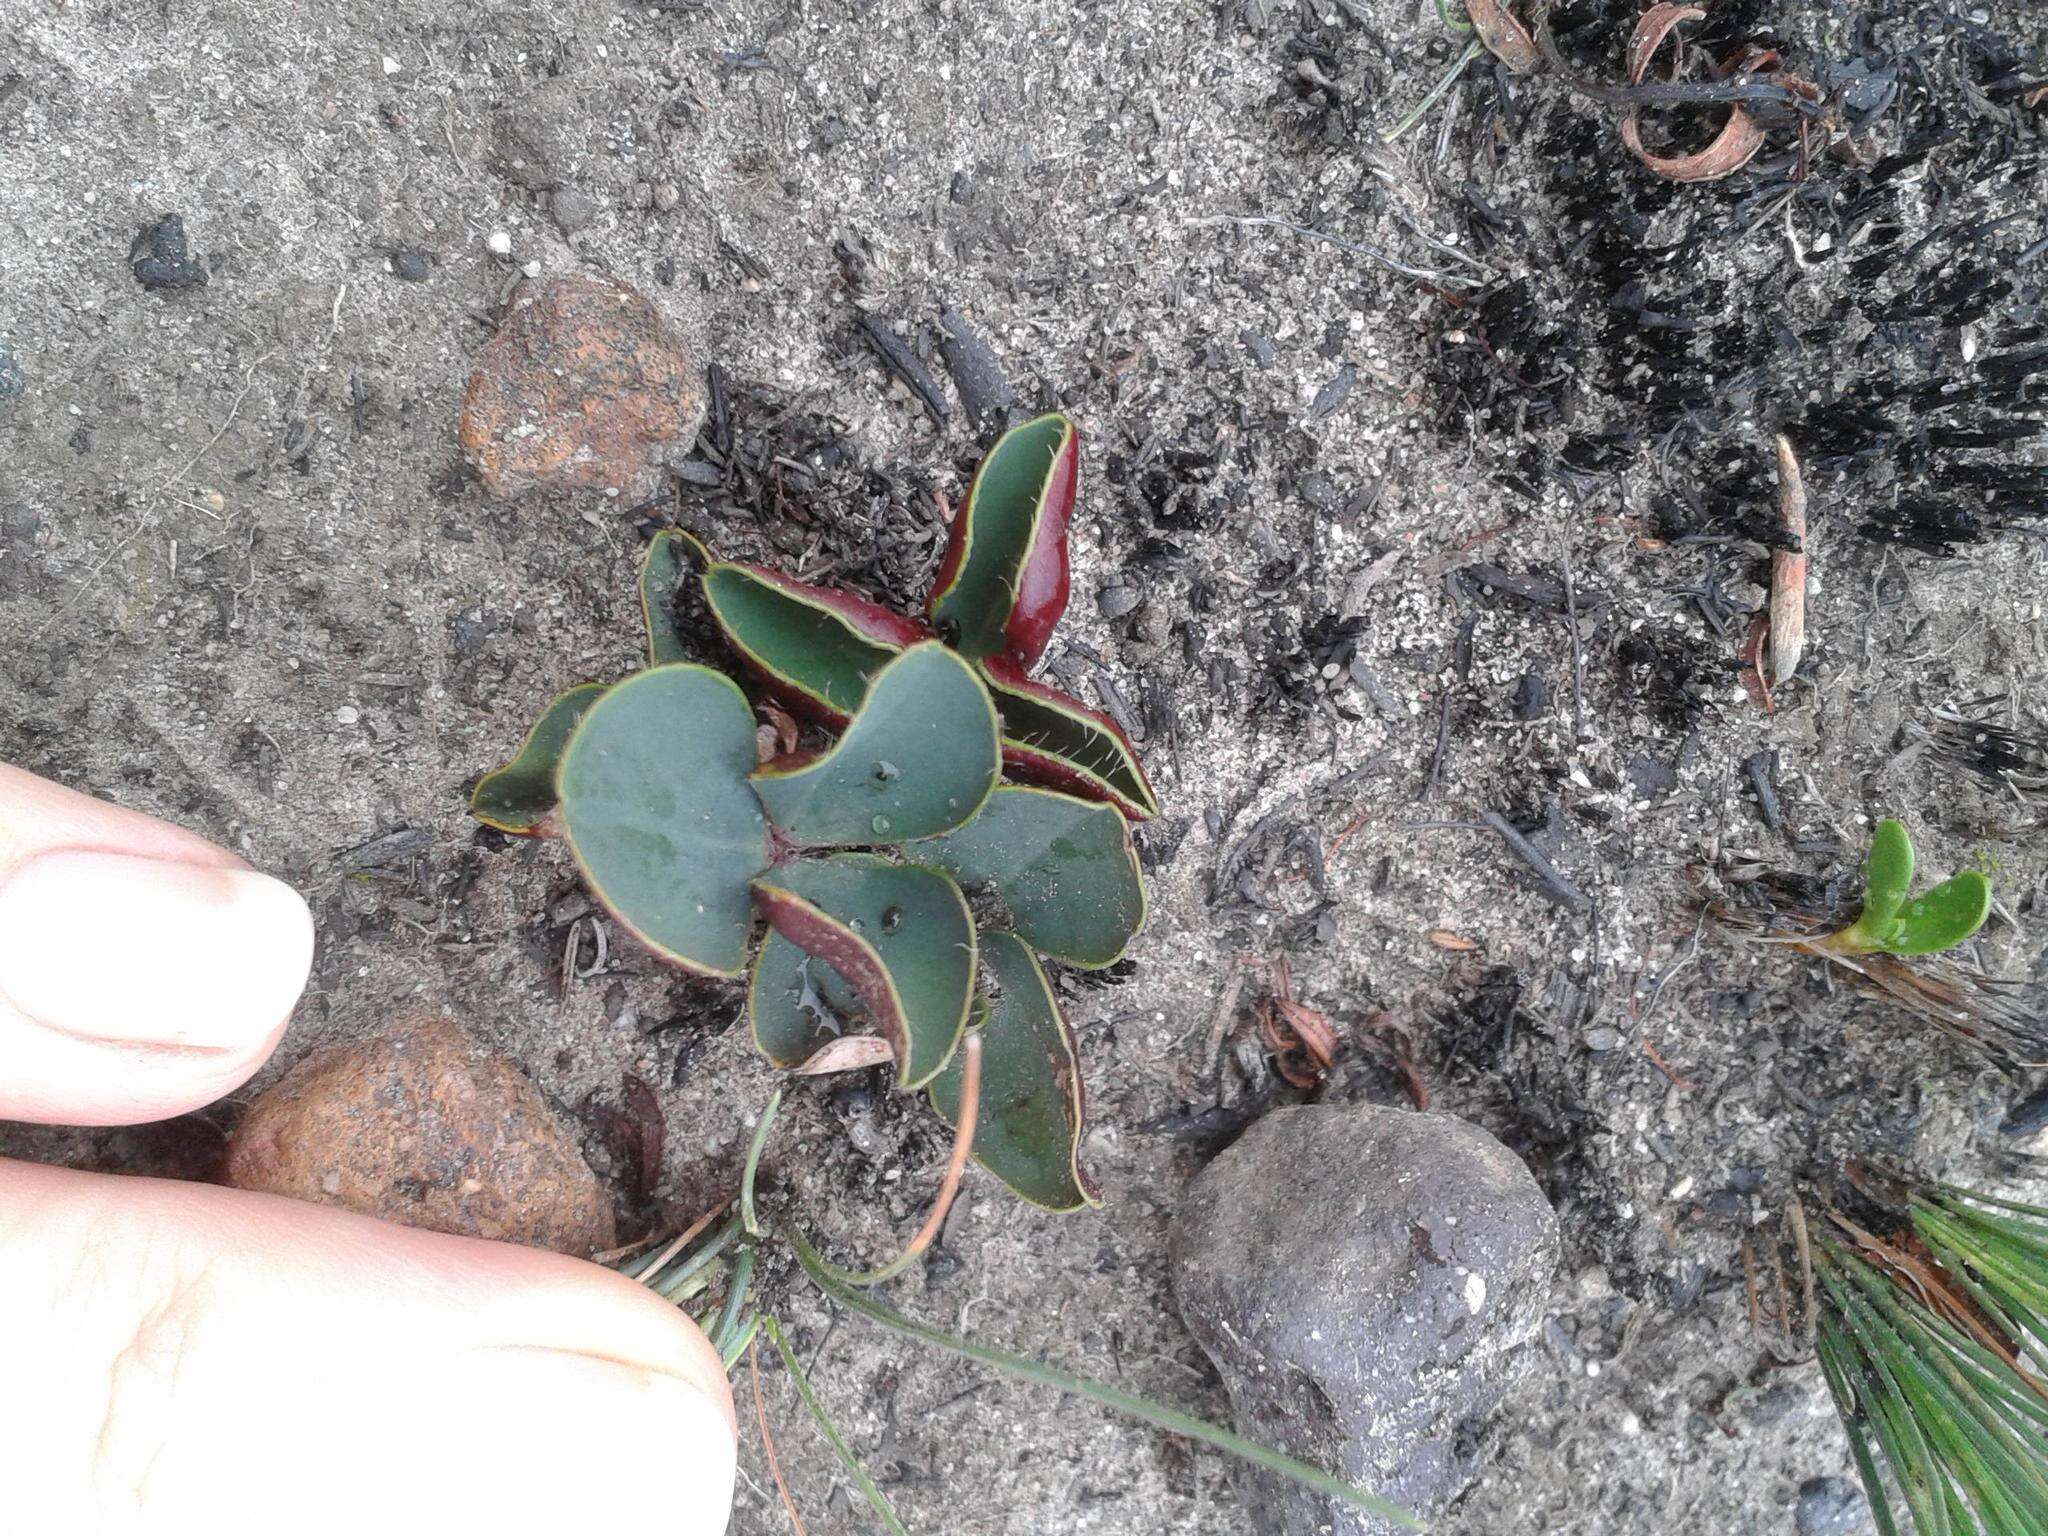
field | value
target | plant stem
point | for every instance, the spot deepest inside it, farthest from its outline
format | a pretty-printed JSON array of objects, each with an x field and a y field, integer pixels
[
  {"x": 1436, "y": 93},
  {"x": 963, "y": 1143},
  {"x": 768, "y": 1440}
]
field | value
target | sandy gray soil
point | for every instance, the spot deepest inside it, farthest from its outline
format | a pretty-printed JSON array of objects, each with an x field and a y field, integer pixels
[{"x": 245, "y": 585}]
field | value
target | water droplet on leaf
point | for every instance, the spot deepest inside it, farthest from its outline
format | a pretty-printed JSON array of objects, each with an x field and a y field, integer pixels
[
  {"x": 892, "y": 919},
  {"x": 885, "y": 771},
  {"x": 880, "y": 824}
]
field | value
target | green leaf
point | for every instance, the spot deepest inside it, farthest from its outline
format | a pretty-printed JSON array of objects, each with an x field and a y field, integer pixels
[
  {"x": 668, "y": 556},
  {"x": 817, "y": 647},
  {"x": 796, "y": 1003},
  {"x": 900, "y": 938},
  {"x": 1887, "y": 873},
  {"x": 518, "y": 797},
  {"x": 1943, "y": 918},
  {"x": 1003, "y": 583},
  {"x": 657, "y": 810},
  {"x": 879, "y": 1504},
  {"x": 1063, "y": 868},
  {"x": 1141, "y": 1408},
  {"x": 1028, "y": 1133},
  {"x": 919, "y": 758},
  {"x": 1052, "y": 739}
]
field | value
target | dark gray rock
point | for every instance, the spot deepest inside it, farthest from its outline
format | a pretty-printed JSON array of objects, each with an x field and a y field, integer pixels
[
  {"x": 574, "y": 209},
  {"x": 13, "y": 382},
  {"x": 1362, "y": 1278},
  {"x": 1830, "y": 1506},
  {"x": 410, "y": 265},
  {"x": 160, "y": 260}
]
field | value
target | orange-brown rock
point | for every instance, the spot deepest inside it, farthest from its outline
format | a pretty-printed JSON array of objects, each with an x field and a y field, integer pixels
[
  {"x": 424, "y": 1125},
  {"x": 586, "y": 387}
]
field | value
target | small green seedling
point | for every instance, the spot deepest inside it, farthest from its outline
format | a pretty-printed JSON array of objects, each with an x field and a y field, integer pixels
[
  {"x": 1891, "y": 923},
  {"x": 904, "y": 885}
]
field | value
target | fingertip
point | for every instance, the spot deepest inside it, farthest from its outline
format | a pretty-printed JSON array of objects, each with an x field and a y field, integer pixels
[
  {"x": 135, "y": 987},
  {"x": 536, "y": 1422}
]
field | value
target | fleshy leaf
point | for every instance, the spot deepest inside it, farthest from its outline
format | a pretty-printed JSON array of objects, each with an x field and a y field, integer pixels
[
  {"x": 657, "y": 810},
  {"x": 899, "y": 937},
  {"x": 1887, "y": 873},
  {"x": 518, "y": 797},
  {"x": 816, "y": 647},
  {"x": 919, "y": 758},
  {"x": 1941, "y": 919},
  {"x": 1029, "y": 1132},
  {"x": 1052, "y": 739},
  {"x": 796, "y": 1003},
  {"x": 668, "y": 556},
  {"x": 1063, "y": 867},
  {"x": 1003, "y": 584}
]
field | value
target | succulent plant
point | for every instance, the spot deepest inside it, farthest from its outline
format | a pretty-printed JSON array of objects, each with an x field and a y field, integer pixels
[
  {"x": 903, "y": 884},
  {"x": 1925, "y": 925}
]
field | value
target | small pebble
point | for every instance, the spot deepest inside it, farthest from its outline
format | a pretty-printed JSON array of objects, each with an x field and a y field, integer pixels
[
  {"x": 1602, "y": 1040},
  {"x": 1115, "y": 602},
  {"x": 391, "y": 65},
  {"x": 574, "y": 210},
  {"x": 1830, "y": 1506},
  {"x": 348, "y": 714},
  {"x": 666, "y": 195},
  {"x": 500, "y": 243}
]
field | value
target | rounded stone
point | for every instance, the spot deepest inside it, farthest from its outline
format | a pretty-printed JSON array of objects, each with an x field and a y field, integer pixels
[
  {"x": 586, "y": 387},
  {"x": 1830, "y": 1506},
  {"x": 425, "y": 1126},
  {"x": 1363, "y": 1279}
]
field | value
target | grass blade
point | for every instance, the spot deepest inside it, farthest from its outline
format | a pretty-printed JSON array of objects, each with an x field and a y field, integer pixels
[
  {"x": 1109, "y": 1397},
  {"x": 747, "y": 1214},
  {"x": 881, "y": 1506}
]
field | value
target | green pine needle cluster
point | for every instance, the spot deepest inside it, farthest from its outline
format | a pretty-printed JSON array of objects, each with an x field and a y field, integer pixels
[{"x": 1929, "y": 1344}]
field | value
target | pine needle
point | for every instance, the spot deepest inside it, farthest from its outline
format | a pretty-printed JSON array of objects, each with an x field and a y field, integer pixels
[{"x": 1923, "y": 1341}]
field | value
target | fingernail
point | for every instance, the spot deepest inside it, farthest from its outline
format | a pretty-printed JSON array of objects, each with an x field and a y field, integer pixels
[{"x": 105, "y": 946}]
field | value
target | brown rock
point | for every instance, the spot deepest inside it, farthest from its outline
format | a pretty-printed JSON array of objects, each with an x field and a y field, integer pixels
[
  {"x": 585, "y": 387},
  {"x": 425, "y": 1126}
]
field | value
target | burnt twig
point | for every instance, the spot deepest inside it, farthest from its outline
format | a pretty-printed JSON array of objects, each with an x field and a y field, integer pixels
[
  {"x": 1554, "y": 885},
  {"x": 902, "y": 362}
]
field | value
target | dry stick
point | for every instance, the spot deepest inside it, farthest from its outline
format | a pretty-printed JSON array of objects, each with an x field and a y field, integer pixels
[
  {"x": 676, "y": 1245},
  {"x": 1788, "y": 569},
  {"x": 1559, "y": 889},
  {"x": 1749, "y": 1279},
  {"x": 963, "y": 1143},
  {"x": 1796, "y": 1213},
  {"x": 1571, "y": 619},
  {"x": 1219, "y": 1021},
  {"x": 142, "y": 518},
  {"x": 1266, "y": 221},
  {"x": 768, "y": 1440}
]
